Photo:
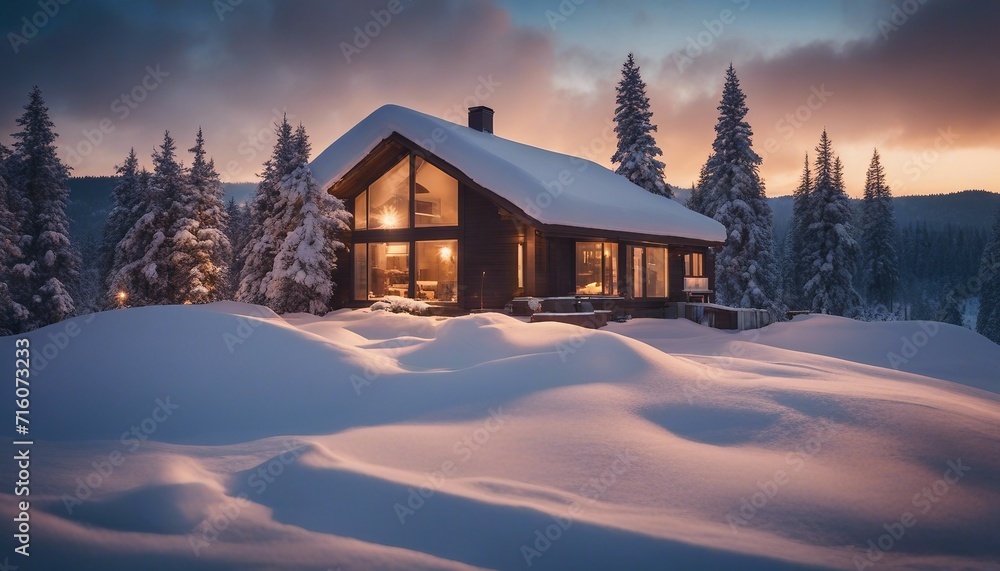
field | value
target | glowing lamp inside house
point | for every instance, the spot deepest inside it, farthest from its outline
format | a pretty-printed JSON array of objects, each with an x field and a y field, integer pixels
[
  {"x": 389, "y": 218},
  {"x": 444, "y": 253}
]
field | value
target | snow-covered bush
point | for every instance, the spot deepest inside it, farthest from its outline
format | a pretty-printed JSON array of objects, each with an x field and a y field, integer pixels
[
  {"x": 396, "y": 304},
  {"x": 876, "y": 313}
]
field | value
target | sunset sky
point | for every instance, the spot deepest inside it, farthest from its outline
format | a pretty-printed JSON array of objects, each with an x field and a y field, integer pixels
[{"x": 917, "y": 79}]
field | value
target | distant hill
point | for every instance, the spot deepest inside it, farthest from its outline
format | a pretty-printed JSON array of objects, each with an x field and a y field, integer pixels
[
  {"x": 90, "y": 201},
  {"x": 968, "y": 208}
]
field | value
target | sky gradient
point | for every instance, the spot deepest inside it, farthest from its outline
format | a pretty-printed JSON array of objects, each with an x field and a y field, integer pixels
[{"x": 918, "y": 80}]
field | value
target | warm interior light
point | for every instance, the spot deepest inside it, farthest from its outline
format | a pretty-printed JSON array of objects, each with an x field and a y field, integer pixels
[
  {"x": 445, "y": 252},
  {"x": 389, "y": 218}
]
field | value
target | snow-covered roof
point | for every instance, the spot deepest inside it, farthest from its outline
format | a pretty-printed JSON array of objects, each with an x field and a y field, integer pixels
[{"x": 549, "y": 187}]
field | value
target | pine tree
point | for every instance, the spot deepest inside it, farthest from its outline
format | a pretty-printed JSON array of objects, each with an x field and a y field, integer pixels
[
  {"x": 988, "y": 320},
  {"x": 267, "y": 234},
  {"x": 12, "y": 314},
  {"x": 699, "y": 201},
  {"x": 301, "y": 280},
  {"x": 746, "y": 270},
  {"x": 796, "y": 266},
  {"x": 48, "y": 271},
  {"x": 125, "y": 212},
  {"x": 952, "y": 309},
  {"x": 878, "y": 237},
  {"x": 212, "y": 250},
  {"x": 831, "y": 252},
  {"x": 637, "y": 150},
  {"x": 309, "y": 219},
  {"x": 141, "y": 277},
  {"x": 238, "y": 232}
]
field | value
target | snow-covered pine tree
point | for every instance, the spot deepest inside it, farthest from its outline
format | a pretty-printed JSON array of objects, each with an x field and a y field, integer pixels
[
  {"x": 49, "y": 268},
  {"x": 301, "y": 280},
  {"x": 988, "y": 319},
  {"x": 125, "y": 212},
  {"x": 699, "y": 201},
  {"x": 878, "y": 237},
  {"x": 832, "y": 252},
  {"x": 796, "y": 255},
  {"x": 952, "y": 309},
  {"x": 238, "y": 232},
  {"x": 211, "y": 251},
  {"x": 746, "y": 270},
  {"x": 141, "y": 278},
  {"x": 637, "y": 150},
  {"x": 12, "y": 314},
  {"x": 266, "y": 235}
]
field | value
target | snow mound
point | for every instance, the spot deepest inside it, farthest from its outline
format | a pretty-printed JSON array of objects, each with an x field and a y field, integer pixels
[
  {"x": 365, "y": 440},
  {"x": 928, "y": 348}
]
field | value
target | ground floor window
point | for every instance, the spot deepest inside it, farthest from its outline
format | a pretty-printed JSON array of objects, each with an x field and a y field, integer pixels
[
  {"x": 596, "y": 268},
  {"x": 694, "y": 265},
  {"x": 383, "y": 268},
  {"x": 437, "y": 270},
  {"x": 648, "y": 271}
]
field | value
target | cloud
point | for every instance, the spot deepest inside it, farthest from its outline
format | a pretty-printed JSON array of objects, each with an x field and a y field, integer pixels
[{"x": 231, "y": 74}]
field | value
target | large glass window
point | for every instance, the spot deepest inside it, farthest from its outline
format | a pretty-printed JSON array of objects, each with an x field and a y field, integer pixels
[
  {"x": 656, "y": 272},
  {"x": 361, "y": 211},
  {"x": 596, "y": 268},
  {"x": 383, "y": 270},
  {"x": 437, "y": 270},
  {"x": 648, "y": 272},
  {"x": 637, "y": 281},
  {"x": 389, "y": 198},
  {"x": 435, "y": 201}
]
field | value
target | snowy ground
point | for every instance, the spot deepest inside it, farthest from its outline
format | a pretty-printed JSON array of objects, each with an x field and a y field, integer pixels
[{"x": 226, "y": 437}]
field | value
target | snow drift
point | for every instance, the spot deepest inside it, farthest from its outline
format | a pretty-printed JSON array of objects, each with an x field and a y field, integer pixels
[{"x": 225, "y": 436}]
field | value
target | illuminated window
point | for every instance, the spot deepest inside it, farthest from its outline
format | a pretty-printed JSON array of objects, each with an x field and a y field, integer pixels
[
  {"x": 437, "y": 270},
  {"x": 435, "y": 202},
  {"x": 648, "y": 272},
  {"x": 694, "y": 265},
  {"x": 381, "y": 269},
  {"x": 389, "y": 198},
  {"x": 656, "y": 272},
  {"x": 520, "y": 266},
  {"x": 596, "y": 268},
  {"x": 361, "y": 211}
]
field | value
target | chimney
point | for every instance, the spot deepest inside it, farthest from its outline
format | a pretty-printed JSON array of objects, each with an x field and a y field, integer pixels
[{"x": 481, "y": 118}]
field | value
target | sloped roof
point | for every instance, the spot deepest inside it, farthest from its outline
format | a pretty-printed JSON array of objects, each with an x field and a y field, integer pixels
[{"x": 549, "y": 187}]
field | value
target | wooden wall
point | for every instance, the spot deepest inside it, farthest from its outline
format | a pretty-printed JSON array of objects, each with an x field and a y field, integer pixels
[{"x": 487, "y": 243}]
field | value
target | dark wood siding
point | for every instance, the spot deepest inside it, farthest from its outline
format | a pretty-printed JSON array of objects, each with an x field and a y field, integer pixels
[
  {"x": 675, "y": 275},
  {"x": 488, "y": 243},
  {"x": 561, "y": 263},
  {"x": 541, "y": 265}
]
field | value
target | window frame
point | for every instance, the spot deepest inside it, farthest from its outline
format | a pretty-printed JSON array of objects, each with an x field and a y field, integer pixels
[
  {"x": 630, "y": 272},
  {"x": 604, "y": 279}
]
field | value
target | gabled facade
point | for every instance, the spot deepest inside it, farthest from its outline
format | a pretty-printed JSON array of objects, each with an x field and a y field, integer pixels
[{"x": 458, "y": 217}]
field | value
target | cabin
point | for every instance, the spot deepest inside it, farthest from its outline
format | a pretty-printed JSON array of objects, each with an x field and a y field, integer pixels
[{"x": 463, "y": 219}]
